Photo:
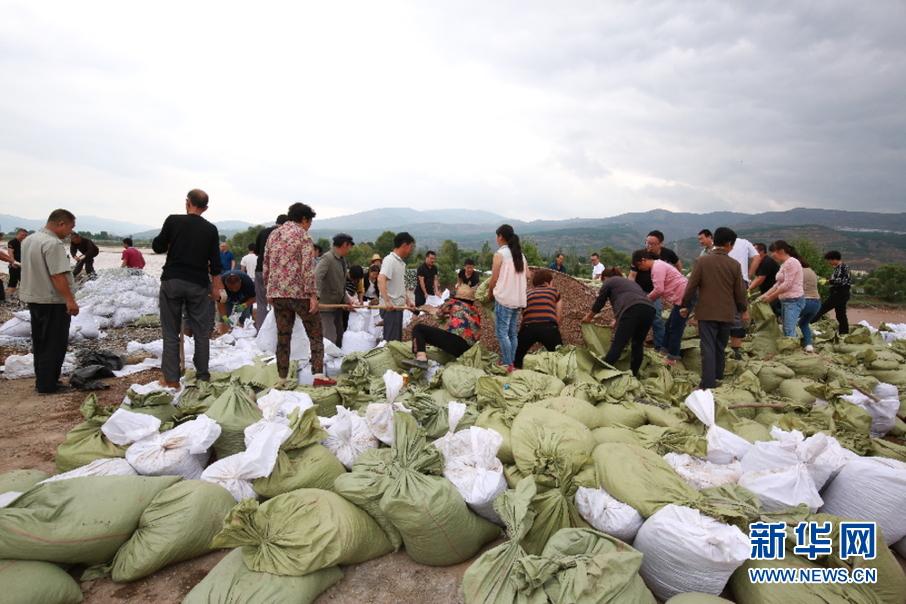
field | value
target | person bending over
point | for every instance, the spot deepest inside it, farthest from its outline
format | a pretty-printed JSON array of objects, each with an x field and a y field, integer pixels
[{"x": 541, "y": 317}]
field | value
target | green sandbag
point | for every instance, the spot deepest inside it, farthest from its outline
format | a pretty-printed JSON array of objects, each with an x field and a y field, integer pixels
[
  {"x": 670, "y": 417},
  {"x": 325, "y": 399},
  {"x": 380, "y": 360},
  {"x": 622, "y": 414},
  {"x": 492, "y": 577},
  {"x": 520, "y": 387},
  {"x": 235, "y": 410},
  {"x": 587, "y": 567},
  {"x": 231, "y": 582},
  {"x": 804, "y": 365},
  {"x": 542, "y": 438},
  {"x": 771, "y": 374},
  {"x": 562, "y": 363},
  {"x": 495, "y": 419},
  {"x": 615, "y": 434},
  {"x": 796, "y": 390},
  {"x": 301, "y": 532},
  {"x": 430, "y": 414},
  {"x": 86, "y": 443},
  {"x": 640, "y": 478},
  {"x": 32, "y": 581},
  {"x": 555, "y": 509},
  {"x": 897, "y": 377},
  {"x": 364, "y": 486},
  {"x": 177, "y": 525},
  {"x": 751, "y": 430},
  {"x": 21, "y": 480},
  {"x": 77, "y": 521},
  {"x": 664, "y": 440},
  {"x": 302, "y": 462},
  {"x": 694, "y": 597},
  {"x": 581, "y": 411},
  {"x": 158, "y": 404},
  {"x": 436, "y": 525},
  {"x": 459, "y": 380}
]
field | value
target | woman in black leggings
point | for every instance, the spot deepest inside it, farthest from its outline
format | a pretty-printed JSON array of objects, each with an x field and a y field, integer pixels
[
  {"x": 463, "y": 329},
  {"x": 634, "y": 314}
]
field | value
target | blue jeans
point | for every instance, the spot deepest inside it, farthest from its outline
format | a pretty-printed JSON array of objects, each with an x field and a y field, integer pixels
[
  {"x": 809, "y": 312},
  {"x": 673, "y": 337},
  {"x": 791, "y": 309},
  {"x": 506, "y": 327},
  {"x": 658, "y": 329}
]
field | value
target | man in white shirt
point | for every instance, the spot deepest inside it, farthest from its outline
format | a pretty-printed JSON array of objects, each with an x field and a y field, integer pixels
[
  {"x": 748, "y": 258},
  {"x": 392, "y": 285},
  {"x": 249, "y": 261},
  {"x": 597, "y": 267}
]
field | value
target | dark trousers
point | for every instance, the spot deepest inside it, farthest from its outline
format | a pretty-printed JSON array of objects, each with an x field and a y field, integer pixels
[
  {"x": 178, "y": 296},
  {"x": 532, "y": 333},
  {"x": 714, "y": 336},
  {"x": 260, "y": 299},
  {"x": 837, "y": 300},
  {"x": 15, "y": 275},
  {"x": 393, "y": 325},
  {"x": 450, "y": 343},
  {"x": 285, "y": 312},
  {"x": 673, "y": 336},
  {"x": 86, "y": 263},
  {"x": 49, "y": 339},
  {"x": 332, "y": 326},
  {"x": 633, "y": 326}
]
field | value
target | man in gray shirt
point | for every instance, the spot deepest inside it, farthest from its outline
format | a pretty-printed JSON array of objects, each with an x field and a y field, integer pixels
[
  {"x": 47, "y": 286},
  {"x": 330, "y": 276}
]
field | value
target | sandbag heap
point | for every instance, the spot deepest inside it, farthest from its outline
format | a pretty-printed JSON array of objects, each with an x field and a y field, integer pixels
[{"x": 606, "y": 487}]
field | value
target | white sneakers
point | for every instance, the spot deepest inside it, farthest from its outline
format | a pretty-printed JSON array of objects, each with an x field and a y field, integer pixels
[{"x": 810, "y": 348}]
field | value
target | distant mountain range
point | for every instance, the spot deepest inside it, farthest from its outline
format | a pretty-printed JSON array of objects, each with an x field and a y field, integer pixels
[{"x": 868, "y": 239}]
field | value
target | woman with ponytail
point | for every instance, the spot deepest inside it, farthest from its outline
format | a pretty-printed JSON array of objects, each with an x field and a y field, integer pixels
[
  {"x": 507, "y": 289},
  {"x": 788, "y": 287}
]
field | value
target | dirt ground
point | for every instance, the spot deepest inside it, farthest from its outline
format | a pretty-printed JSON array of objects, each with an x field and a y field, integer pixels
[{"x": 34, "y": 425}]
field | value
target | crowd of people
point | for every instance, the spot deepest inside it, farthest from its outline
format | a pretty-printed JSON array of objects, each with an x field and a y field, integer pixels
[{"x": 286, "y": 273}]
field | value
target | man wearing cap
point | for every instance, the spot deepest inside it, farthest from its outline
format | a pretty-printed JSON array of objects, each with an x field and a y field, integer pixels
[
  {"x": 330, "y": 276},
  {"x": 463, "y": 328},
  {"x": 189, "y": 282}
]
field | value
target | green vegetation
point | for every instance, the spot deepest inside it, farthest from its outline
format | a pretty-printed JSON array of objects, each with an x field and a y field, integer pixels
[{"x": 887, "y": 282}]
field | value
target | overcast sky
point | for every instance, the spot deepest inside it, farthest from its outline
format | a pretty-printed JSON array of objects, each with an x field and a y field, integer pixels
[{"x": 529, "y": 109}]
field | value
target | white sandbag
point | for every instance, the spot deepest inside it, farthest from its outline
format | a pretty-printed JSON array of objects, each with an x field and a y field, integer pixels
[
  {"x": 281, "y": 403},
  {"x": 781, "y": 488},
  {"x": 687, "y": 551},
  {"x": 236, "y": 472},
  {"x": 357, "y": 341},
  {"x": 723, "y": 445},
  {"x": 182, "y": 451},
  {"x": 108, "y": 466},
  {"x": 393, "y": 384},
  {"x": 471, "y": 463},
  {"x": 359, "y": 320},
  {"x": 333, "y": 367},
  {"x": 607, "y": 514},
  {"x": 703, "y": 474},
  {"x": 770, "y": 455},
  {"x": 883, "y": 407},
  {"x": 823, "y": 454},
  {"x": 348, "y": 436},
  {"x": 379, "y": 417},
  {"x": 434, "y": 301},
  {"x": 300, "y": 346},
  {"x": 331, "y": 351},
  {"x": 125, "y": 427},
  {"x": 23, "y": 366},
  {"x": 871, "y": 488},
  {"x": 16, "y": 328},
  {"x": 84, "y": 326}
]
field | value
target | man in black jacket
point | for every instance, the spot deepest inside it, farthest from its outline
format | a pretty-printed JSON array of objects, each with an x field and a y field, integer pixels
[
  {"x": 260, "y": 290},
  {"x": 190, "y": 281},
  {"x": 84, "y": 251}
]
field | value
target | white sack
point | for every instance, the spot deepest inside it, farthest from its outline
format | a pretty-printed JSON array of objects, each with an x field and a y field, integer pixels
[
  {"x": 782, "y": 488},
  {"x": 236, "y": 472},
  {"x": 9, "y": 497},
  {"x": 723, "y": 445},
  {"x": 883, "y": 411},
  {"x": 359, "y": 320},
  {"x": 873, "y": 489},
  {"x": 182, "y": 451},
  {"x": 348, "y": 436},
  {"x": 331, "y": 351},
  {"x": 703, "y": 474},
  {"x": 125, "y": 427},
  {"x": 281, "y": 403},
  {"x": 300, "y": 347},
  {"x": 687, "y": 551},
  {"x": 607, "y": 514},
  {"x": 23, "y": 366},
  {"x": 823, "y": 454},
  {"x": 16, "y": 328},
  {"x": 393, "y": 384},
  {"x": 379, "y": 417},
  {"x": 357, "y": 341},
  {"x": 110, "y": 466}
]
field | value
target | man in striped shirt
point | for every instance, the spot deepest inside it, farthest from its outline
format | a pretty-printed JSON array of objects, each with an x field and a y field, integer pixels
[{"x": 541, "y": 316}]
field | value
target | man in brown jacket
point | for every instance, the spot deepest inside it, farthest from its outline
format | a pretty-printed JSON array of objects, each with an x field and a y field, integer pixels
[{"x": 721, "y": 294}]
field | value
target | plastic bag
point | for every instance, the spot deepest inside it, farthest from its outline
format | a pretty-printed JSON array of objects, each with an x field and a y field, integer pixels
[
  {"x": 348, "y": 436},
  {"x": 125, "y": 427},
  {"x": 607, "y": 514},
  {"x": 685, "y": 550},
  {"x": 723, "y": 446},
  {"x": 182, "y": 451}
]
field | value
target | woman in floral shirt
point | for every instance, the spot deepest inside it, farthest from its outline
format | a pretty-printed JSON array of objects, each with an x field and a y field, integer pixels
[{"x": 463, "y": 328}]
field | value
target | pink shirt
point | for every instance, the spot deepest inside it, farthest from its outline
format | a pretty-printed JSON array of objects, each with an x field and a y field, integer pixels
[
  {"x": 669, "y": 283},
  {"x": 789, "y": 280},
  {"x": 511, "y": 288}
]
